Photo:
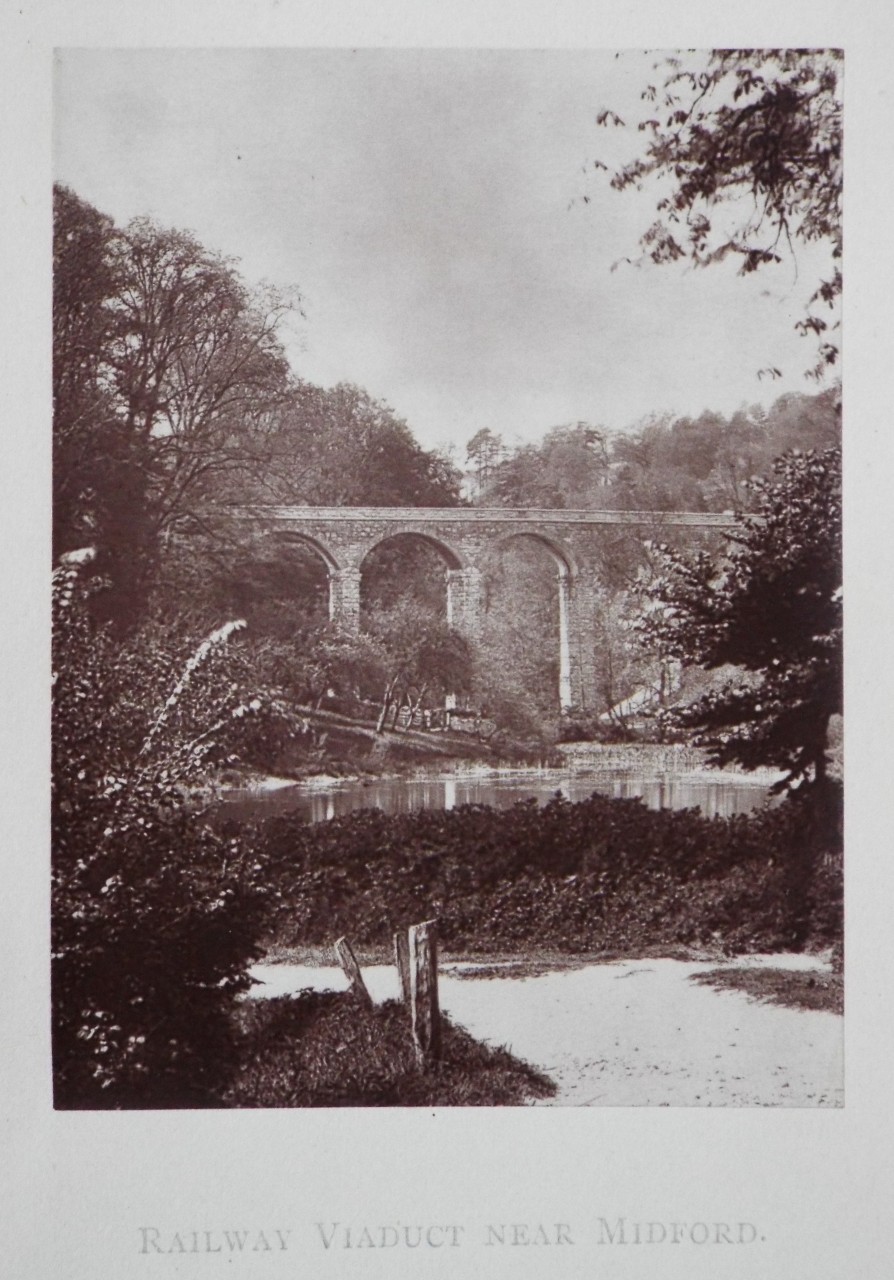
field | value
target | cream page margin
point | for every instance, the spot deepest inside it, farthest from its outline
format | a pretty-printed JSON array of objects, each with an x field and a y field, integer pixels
[{"x": 818, "y": 1185}]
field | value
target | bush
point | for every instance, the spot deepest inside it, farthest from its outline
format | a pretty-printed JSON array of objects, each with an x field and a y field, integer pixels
[
  {"x": 602, "y": 874},
  {"x": 155, "y": 917}
]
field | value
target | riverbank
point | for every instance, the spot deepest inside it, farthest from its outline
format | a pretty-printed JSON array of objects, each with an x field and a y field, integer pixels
[
  {"x": 394, "y": 755},
  {"x": 675, "y": 759}
]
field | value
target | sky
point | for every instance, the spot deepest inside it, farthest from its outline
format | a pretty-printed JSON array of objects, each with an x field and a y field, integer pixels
[{"x": 428, "y": 207}]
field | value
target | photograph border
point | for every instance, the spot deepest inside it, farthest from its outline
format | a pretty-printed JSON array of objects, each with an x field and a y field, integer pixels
[{"x": 815, "y": 1186}]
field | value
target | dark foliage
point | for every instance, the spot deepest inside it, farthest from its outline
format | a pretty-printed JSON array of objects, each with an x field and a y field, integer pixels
[
  {"x": 155, "y": 917},
  {"x": 773, "y": 611},
  {"x": 599, "y": 875},
  {"x": 790, "y": 988},
  {"x": 165, "y": 371},
  {"x": 340, "y": 447},
  {"x": 323, "y": 1049}
]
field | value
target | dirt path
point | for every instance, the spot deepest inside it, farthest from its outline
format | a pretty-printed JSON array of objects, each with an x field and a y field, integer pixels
[{"x": 635, "y": 1032}]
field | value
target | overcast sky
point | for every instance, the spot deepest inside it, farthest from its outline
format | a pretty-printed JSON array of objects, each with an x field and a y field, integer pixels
[{"x": 427, "y": 205}]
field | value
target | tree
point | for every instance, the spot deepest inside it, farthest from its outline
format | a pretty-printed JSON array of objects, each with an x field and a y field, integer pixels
[
  {"x": 422, "y": 657},
  {"x": 166, "y": 369},
  {"x": 338, "y": 446},
  {"x": 484, "y": 451},
  {"x": 196, "y": 362},
  {"x": 746, "y": 152},
  {"x": 569, "y": 468},
  {"x": 773, "y": 611}
]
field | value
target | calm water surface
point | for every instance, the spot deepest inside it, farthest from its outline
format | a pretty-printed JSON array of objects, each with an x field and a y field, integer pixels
[{"x": 317, "y": 803}]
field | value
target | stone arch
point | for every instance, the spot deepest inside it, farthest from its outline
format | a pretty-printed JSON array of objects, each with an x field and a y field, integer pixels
[
  {"x": 298, "y": 535},
  {"x": 564, "y": 560},
  {"x": 464, "y": 598},
  {"x": 451, "y": 557},
  {"x": 344, "y": 583}
]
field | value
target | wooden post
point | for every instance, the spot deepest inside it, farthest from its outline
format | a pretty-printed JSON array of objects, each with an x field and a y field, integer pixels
[
  {"x": 348, "y": 962},
  {"x": 425, "y": 1015},
  {"x": 402, "y": 961}
]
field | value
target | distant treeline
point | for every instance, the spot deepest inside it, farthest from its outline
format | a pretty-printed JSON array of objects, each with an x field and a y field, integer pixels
[{"x": 664, "y": 463}]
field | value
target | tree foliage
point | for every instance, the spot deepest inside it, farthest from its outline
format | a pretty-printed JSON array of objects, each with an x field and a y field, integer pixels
[
  {"x": 773, "y": 613},
  {"x": 165, "y": 368},
  {"x": 83, "y": 411},
  {"x": 599, "y": 875},
  {"x": 484, "y": 452},
  {"x": 173, "y": 398},
  {"x": 338, "y": 446},
  {"x": 422, "y": 658},
  {"x": 664, "y": 462},
  {"x": 746, "y": 154},
  {"x": 568, "y": 468}
]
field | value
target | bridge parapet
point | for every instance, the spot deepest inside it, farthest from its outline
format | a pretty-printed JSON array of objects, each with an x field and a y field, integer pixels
[
  {"x": 344, "y": 536},
  {"x": 383, "y": 516}
]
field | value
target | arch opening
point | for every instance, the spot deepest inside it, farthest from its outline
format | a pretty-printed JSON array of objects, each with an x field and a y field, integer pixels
[
  {"x": 527, "y": 625},
  {"x": 406, "y": 538},
  {"x": 279, "y": 583},
  {"x": 405, "y": 569},
  {"x": 561, "y": 556},
  {"x": 408, "y": 595},
  {"x": 298, "y": 537}
]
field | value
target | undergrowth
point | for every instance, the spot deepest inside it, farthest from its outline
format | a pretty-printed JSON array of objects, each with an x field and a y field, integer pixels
[
  {"x": 791, "y": 988},
  {"x": 601, "y": 875},
  {"x": 326, "y": 1049}
]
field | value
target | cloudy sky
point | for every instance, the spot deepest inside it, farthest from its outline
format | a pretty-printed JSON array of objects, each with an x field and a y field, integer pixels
[{"x": 428, "y": 207}]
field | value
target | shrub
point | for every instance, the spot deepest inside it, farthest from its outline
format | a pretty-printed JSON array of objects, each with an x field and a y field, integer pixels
[
  {"x": 602, "y": 874},
  {"x": 155, "y": 917}
]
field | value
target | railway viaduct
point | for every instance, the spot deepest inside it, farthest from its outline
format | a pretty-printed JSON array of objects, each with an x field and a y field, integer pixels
[{"x": 344, "y": 536}]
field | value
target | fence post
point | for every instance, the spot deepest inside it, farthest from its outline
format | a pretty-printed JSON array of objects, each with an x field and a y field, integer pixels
[
  {"x": 348, "y": 962},
  {"x": 425, "y": 1015},
  {"x": 402, "y": 961}
]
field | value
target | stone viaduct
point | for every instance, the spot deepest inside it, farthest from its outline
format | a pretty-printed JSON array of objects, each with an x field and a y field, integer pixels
[{"x": 344, "y": 536}]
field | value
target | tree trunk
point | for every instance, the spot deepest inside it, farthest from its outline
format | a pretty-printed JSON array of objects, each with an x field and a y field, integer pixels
[{"x": 386, "y": 704}]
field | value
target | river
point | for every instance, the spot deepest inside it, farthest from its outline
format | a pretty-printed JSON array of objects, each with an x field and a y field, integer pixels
[{"x": 318, "y": 801}]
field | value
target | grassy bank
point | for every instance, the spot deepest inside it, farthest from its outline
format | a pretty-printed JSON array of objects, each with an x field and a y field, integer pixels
[
  {"x": 325, "y": 1049},
  {"x": 791, "y": 989}
]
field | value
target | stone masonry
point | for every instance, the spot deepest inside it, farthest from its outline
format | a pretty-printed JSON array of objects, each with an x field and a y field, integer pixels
[{"x": 344, "y": 536}]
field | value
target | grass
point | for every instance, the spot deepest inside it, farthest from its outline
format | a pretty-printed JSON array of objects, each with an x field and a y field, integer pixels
[
  {"x": 538, "y": 962},
  {"x": 794, "y": 989},
  {"x": 326, "y": 1049}
]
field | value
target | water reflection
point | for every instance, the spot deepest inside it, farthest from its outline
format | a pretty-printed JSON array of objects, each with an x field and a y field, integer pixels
[{"x": 723, "y": 796}]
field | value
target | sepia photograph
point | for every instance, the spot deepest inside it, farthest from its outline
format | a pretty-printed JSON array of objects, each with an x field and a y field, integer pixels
[
  {"x": 446, "y": 809},
  {"x": 447, "y": 593}
]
